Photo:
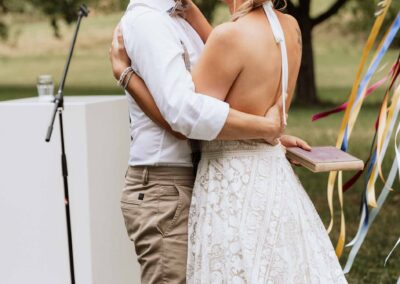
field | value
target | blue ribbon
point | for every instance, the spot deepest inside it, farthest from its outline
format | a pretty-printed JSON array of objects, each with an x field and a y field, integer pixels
[
  {"x": 371, "y": 71},
  {"x": 366, "y": 221}
]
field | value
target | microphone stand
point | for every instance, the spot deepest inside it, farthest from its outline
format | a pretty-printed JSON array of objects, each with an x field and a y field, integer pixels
[{"x": 59, "y": 107}]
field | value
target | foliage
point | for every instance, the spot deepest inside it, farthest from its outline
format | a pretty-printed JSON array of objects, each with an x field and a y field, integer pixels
[
  {"x": 66, "y": 9},
  {"x": 357, "y": 17},
  {"x": 7, "y": 6},
  {"x": 361, "y": 19},
  {"x": 208, "y": 7},
  {"x": 362, "y": 10},
  {"x": 56, "y": 9},
  {"x": 3, "y": 30}
]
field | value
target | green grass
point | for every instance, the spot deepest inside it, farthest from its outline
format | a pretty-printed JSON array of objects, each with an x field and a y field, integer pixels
[
  {"x": 368, "y": 267},
  {"x": 34, "y": 51}
]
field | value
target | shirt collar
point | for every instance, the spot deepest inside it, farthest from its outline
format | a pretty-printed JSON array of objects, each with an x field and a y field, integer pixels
[{"x": 161, "y": 5}]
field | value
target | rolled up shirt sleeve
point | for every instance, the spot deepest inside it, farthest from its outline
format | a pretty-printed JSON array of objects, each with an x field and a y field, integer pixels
[{"x": 157, "y": 55}]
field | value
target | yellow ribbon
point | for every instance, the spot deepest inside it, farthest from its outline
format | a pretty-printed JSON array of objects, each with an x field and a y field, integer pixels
[
  {"x": 381, "y": 133},
  {"x": 349, "y": 120},
  {"x": 386, "y": 115}
]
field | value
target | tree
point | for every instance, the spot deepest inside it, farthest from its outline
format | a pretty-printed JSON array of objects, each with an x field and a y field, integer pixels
[
  {"x": 66, "y": 9},
  {"x": 306, "y": 92},
  {"x": 361, "y": 19},
  {"x": 207, "y": 7}
]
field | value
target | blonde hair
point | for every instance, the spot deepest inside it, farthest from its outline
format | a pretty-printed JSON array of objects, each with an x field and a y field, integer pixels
[{"x": 250, "y": 5}]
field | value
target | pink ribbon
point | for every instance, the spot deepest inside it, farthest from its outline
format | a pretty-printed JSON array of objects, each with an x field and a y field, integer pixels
[{"x": 343, "y": 107}]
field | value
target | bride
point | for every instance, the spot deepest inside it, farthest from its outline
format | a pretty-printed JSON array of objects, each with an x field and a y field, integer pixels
[{"x": 250, "y": 219}]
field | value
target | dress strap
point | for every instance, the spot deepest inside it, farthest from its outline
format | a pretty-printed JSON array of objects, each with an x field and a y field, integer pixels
[{"x": 280, "y": 39}]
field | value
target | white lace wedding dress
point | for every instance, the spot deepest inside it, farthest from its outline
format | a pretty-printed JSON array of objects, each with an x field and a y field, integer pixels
[
  {"x": 250, "y": 219},
  {"x": 252, "y": 222}
]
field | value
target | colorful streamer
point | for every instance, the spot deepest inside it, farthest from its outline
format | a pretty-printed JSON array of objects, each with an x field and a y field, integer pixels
[
  {"x": 349, "y": 119},
  {"x": 391, "y": 119},
  {"x": 343, "y": 107},
  {"x": 371, "y": 198},
  {"x": 368, "y": 218},
  {"x": 398, "y": 163},
  {"x": 394, "y": 72}
]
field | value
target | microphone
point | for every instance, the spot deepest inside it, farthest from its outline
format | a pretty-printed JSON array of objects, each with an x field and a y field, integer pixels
[
  {"x": 59, "y": 100},
  {"x": 58, "y": 108},
  {"x": 83, "y": 10}
]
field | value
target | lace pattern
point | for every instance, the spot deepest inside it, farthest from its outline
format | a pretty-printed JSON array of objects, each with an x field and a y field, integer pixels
[{"x": 252, "y": 222}]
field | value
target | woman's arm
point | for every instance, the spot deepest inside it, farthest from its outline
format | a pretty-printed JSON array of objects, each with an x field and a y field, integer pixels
[
  {"x": 268, "y": 127},
  {"x": 197, "y": 20},
  {"x": 220, "y": 64},
  {"x": 136, "y": 87},
  {"x": 146, "y": 102},
  {"x": 237, "y": 126}
]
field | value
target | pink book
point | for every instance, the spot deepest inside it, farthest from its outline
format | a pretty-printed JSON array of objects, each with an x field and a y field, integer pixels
[{"x": 325, "y": 159}]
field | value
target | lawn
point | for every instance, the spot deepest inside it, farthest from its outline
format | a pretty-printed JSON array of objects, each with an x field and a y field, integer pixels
[{"x": 34, "y": 51}]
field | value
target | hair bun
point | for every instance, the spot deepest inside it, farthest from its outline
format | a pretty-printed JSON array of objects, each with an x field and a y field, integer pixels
[{"x": 250, "y": 5}]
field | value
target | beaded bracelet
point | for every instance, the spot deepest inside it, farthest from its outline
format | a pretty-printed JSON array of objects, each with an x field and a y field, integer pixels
[{"x": 123, "y": 76}]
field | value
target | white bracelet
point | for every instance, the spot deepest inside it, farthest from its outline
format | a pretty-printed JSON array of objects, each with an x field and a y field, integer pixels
[{"x": 123, "y": 76}]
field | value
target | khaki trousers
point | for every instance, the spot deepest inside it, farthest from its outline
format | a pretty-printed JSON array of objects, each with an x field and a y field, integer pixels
[{"x": 155, "y": 203}]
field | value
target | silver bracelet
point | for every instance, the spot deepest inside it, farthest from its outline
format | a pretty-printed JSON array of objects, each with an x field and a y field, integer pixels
[{"x": 123, "y": 76}]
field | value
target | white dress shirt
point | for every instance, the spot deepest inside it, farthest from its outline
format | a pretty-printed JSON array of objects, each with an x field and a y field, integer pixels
[{"x": 153, "y": 41}]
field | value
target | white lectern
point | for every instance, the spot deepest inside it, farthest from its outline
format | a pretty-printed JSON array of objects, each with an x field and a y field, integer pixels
[{"x": 33, "y": 234}]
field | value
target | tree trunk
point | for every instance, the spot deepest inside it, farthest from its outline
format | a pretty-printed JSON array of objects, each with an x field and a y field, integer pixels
[
  {"x": 207, "y": 7},
  {"x": 306, "y": 91}
]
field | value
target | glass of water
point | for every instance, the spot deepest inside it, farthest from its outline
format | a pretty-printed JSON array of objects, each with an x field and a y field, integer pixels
[{"x": 45, "y": 87}]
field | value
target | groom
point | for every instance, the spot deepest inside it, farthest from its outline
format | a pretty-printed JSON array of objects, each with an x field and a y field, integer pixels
[{"x": 159, "y": 180}]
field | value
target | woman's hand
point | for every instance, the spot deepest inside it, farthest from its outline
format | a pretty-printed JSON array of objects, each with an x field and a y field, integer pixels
[
  {"x": 118, "y": 56},
  {"x": 293, "y": 141}
]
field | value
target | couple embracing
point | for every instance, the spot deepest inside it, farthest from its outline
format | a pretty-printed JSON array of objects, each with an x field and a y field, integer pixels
[{"x": 209, "y": 195}]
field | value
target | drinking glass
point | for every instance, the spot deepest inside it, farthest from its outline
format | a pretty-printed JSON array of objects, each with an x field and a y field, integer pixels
[{"x": 45, "y": 87}]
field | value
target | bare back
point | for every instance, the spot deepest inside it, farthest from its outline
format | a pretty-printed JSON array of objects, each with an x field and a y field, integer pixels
[
  {"x": 242, "y": 62},
  {"x": 258, "y": 85}
]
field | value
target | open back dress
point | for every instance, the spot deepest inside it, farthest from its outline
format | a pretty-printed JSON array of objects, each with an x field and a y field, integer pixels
[{"x": 250, "y": 219}]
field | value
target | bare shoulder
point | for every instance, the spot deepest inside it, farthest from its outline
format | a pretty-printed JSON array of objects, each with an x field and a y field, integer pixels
[
  {"x": 225, "y": 34},
  {"x": 292, "y": 22}
]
